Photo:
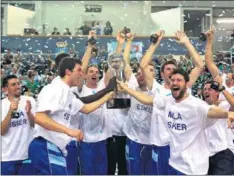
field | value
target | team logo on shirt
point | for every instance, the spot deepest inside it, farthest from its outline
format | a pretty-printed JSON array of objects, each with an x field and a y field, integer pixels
[
  {"x": 177, "y": 117},
  {"x": 144, "y": 108},
  {"x": 66, "y": 116},
  {"x": 18, "y": 122}
]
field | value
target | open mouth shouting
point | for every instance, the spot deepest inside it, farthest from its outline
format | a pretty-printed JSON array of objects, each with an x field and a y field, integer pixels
[{"x": 94, "y": 78}]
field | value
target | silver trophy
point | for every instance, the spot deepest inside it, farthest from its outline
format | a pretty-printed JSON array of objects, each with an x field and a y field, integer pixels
[{"x": 117, "y": 65}]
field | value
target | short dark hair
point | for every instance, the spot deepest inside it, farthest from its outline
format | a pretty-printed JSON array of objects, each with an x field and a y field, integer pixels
[
  {"x": 59, "y": 57},
  {"x": 7, "y": 78},
  {"x": 92, "y": 65},
  {"x": 170, "y": 62},
  {"x": 67, "y": 63},
  {"x": 181, "y": 72}
]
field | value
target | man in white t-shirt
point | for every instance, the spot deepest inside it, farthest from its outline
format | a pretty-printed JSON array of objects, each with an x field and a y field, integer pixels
[
  {"x": 213, "y": 69},
  {"x": 137, "y": 123},
  {"x": 96, "y": 129},
  {"x": 221, "y": 160},
  {"x": 16, "y": 128},
  {"x": 159, "y": 135},
  {"x": 72, "y": 148},
  {"x": 56, "y": 106},
  {"x": 187, "y": 118}
]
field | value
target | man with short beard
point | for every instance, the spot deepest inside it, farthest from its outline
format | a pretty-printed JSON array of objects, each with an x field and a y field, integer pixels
[
  {"x": 16, "y": 128},
  {"x": 159, "y": 135},
  {"x": 221, "y": 160},
  {"x": 187, "y": 133}
]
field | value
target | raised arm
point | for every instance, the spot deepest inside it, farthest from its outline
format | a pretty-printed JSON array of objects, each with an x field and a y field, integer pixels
[
  {"x": 128, "y": 70},
  {"x": 147, "y": 58},
  {"x": 88, "y": 53},
  {"x": 120, "y": 42},
  {"x": 196, "y": 59},
  {"x": 143, "y": 98},
  {"x": 213, "y": 69}
]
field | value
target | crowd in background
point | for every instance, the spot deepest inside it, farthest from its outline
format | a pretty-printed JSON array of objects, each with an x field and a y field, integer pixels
[
  {"x": 36, "y": 71},
  {"x": 82, "y": 30}
]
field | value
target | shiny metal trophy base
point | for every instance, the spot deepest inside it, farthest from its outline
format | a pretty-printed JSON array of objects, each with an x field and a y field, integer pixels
[{"x": 118, "y": 103}]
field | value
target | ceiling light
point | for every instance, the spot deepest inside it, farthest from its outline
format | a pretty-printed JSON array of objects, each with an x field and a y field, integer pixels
[{"x": 225, "y": 20}]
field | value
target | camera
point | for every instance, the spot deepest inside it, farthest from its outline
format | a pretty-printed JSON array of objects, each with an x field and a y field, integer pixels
[
  {"x": 153, "y": 38},
  {"x": 92, "y": 41},
  {"x": 203, "y": 37},
  {"x": 126, "y": 30},
  {"x": 215, "y": 86}
]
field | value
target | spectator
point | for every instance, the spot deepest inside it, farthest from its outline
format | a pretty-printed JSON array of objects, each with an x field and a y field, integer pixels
[
  {"x": 8, "y": 55},
  {"x": 78, "y": 31},
  {"x": 55, "y": 32},
  {"x": 85, "y": 29},
  {"x": 108, "y": 29},
  {"x": 97, "y": 28},
  {"x": 232, "y": 37},
  {"x": 67, "y": 32}
]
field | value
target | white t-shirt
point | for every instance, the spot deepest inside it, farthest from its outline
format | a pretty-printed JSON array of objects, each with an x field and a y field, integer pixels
[
  {"x": 159, "y": 134},
  {"x": 57, "y": 98},
  {"x": 186, "y": 122},
  {"x": 137, "y": 125},
  {"x": 231, "y": 139},
  {"x": 94, "y": 125},
  {"x": 229, "y": 89},
  {"x": 16, "y": 141},
  {"x": 117, "y": 118},
  {"x": 217, "y": 134}
]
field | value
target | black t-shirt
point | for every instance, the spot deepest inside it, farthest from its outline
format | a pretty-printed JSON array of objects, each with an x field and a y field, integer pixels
[
  {"x": 108, "y": 31},
  {"x": 85, "y": 30},
  {"x": 67, "y": 33},
  {"x": 55, "y": 33}
]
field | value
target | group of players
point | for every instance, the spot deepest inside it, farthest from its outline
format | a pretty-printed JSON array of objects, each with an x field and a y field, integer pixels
[{"x": 165, "y": 131}]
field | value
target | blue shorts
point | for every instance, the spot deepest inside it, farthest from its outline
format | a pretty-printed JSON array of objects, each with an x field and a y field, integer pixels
[
  {"x": 139, "y": 158},
  {"x": 72, "y": 158},
  {"x": 21, "y": 167},
  {"x": 161, "y": 155},
  {"x": 46, "y": 158},
  {"x": 93, "y": 158}
]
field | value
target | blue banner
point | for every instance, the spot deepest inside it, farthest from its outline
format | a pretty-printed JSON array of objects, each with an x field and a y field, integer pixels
[{"x": 39, "y": 44}]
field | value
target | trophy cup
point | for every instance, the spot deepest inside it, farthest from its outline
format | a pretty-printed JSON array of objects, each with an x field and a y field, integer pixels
[{"x": 116, "y": 64}]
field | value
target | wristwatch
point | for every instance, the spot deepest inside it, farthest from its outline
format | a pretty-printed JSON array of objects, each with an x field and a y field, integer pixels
[{"x": 222, "y": 89}]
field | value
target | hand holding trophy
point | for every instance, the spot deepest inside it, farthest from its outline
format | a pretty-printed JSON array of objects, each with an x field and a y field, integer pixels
[{"x": 116, "y": 63}]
